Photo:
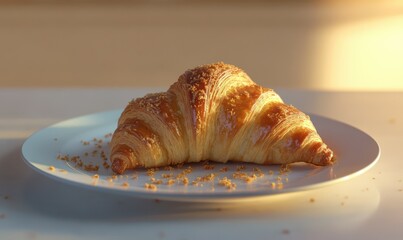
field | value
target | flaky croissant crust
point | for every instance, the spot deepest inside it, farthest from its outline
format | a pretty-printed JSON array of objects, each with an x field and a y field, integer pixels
[{"x": 214, "y": 112}]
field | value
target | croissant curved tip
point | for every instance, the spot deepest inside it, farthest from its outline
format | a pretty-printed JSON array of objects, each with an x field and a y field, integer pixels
[
  {"x": 327, "y": 158},
  {"x": 118, "y": 166}
]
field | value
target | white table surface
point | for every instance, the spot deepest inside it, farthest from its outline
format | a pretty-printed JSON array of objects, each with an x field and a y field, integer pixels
[{"x": 35, "y": 207}]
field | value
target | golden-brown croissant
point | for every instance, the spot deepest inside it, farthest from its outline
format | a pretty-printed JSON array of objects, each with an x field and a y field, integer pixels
[{"x": 214, "y": 112}]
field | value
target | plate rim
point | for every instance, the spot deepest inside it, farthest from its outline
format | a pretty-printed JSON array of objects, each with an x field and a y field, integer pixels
[{"x": 196, "y": 196}]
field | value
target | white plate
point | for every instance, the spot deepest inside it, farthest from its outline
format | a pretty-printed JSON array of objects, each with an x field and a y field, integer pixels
[{"x": 356, "y": 152}]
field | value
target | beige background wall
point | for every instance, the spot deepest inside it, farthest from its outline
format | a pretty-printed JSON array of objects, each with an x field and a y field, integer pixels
[{"x": 336, "y": 46}]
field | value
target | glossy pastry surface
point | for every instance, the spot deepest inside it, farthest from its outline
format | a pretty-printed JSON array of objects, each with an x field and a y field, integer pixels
[{"x": 214, "y": 112}]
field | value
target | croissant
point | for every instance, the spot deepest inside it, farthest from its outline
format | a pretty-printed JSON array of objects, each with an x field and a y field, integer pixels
[{"x": 214, "y": 112}]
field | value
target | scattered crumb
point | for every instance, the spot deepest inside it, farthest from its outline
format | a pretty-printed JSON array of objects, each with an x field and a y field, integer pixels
[
  {"x": 55, "y": 139},
  {"x": 52, "y": 168},
  {"x": 240, "y": 168},
  {"x": 208, "y": 166},
  {"x": 400, "y": 190},
  {"x": 152, "y": 187},
  {"x": 285, "y": 231},
  {"x": 227, "y": 183},
  {"x": 224, "y": 169},
  {"x": 168, "y": 168},
  {"x": 95, "y": 176},
  {"x": 312, "y": 200},
  {"x": 150, "y": 172},
  {"x": 245, "y": 177},
  {"x": 156, "y": 181},
  {"x": 167, "y": 175},
  {"x": 91, "y": 168},
  {"x": 284, "y": 169},
  {"x": 185, "y": 181},
  {"x": 125, "y": 184},
  {"x": 171, "y": 182}
]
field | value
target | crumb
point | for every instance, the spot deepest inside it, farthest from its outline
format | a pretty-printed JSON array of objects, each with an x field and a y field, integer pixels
[
  {"x": 106, "y": 165},
  {"x": 284, "y": 169},
  {"x": 168, "y": 168},
  {"x": 150, "y": 186},
  {"x": 52, "y": 168},
  {"x": 170, "y": 182},
  {"x": 258, "y": 172},
  {"x": 150, "y": 172},
  {"x": 240, "y": 168},
  {"x": 208, "y": 177},
  {"x": 91, "y": 168},
  {"x": 157, "y": 200},
  {"x": 271, "y": 172},
  {"x": 400, "y": 190},
  {"x": 208, "y": 166},
  {"x": 244, "y": 177},
  {"x": 134, "y": 177},
  {"x": 125, "y": 184},
  {"x": 185, "y": 181},
  {"x": 62, "y": 171},
  {"x": 6, "y": 197},
  {"x": 165, "y": 175},
  {"x": 227, "y": 183},
  {"x": 108, "y": 135},
  {"x": 63, "y": 157},
  {"x": 55, "y": 139},
  {"x": 156, "y": 181},
  {"x": 95, "y": 176},
  {"x": 224, "y": 169},
  {"x": 273, "y": 185},
  {"x": 312, "y": 200}
]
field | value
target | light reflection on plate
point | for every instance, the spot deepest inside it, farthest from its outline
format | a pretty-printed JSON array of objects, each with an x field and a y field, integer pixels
[{"x": 83, "y": 143}]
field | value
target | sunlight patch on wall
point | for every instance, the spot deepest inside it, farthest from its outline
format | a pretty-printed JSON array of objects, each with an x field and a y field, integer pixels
[{"x": 364, "y": 55}]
